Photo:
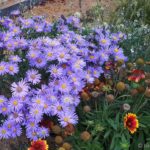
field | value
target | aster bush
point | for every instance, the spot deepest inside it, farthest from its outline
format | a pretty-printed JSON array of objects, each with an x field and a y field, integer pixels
[{"x": 43, "y": 68}]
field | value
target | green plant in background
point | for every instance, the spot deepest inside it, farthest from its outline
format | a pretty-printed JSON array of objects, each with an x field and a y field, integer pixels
[{"x": 131, "y": 10}]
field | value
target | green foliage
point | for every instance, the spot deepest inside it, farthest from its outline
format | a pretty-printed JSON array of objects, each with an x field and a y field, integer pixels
[{"x": 131, "y": 10}]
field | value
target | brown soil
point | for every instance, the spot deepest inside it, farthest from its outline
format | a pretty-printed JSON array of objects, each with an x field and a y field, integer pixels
[{"x": 53, "y": 9}]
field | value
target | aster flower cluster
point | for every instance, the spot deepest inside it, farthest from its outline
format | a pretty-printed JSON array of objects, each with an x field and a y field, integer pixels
[{"x": 46, "y": 66}]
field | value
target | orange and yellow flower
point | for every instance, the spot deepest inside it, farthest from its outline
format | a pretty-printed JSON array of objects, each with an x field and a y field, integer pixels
[
  {"x": 39, "y": 145},
  {"x": 131, "y": 122},
  {"x": 137, "y": 75}
]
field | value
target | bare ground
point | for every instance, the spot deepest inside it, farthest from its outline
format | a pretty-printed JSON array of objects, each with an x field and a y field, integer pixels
[{"x": 52, "y": 9}]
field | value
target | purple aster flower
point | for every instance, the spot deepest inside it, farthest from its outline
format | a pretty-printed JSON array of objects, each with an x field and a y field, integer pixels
[
  {"x": 32, "y": 134},
  {"x": 62, "y": 55},
  {"x": 56, "y": 108},
  {"x": 33, "y": 76},
  {"x": 38, "y": 101},
  {"x": 40, "y": 62},
  {"x": 15, "y": 59},
  {"x": 4, "y": 109},
  {"x": 50, "y": 54},
  {"x": 67, "y": 117},
  {"x": 93, "y": 57},
  {"x": 43, "y": 132},
  {"x": 15, "y": 103},
  {"x": 73, "y": 48},
  {"x": 53, "y": 43},
  {"x": 103, "y": 57},
  {"x": 74, "y": 21},
  {"x": 17, "y": 116},
  {"x": 89, "y": 77},
  {"x": 31, "y": 55},
  {"x": 104, "y": 41},
  {"x": 3, "y": 68},
  {"x": 122, "y": 36},
  {"x": 22, "y": 43},
  {"x": 47, "y": 107},
  {"x": 15, "y": 30},
  {"x": 55, "y": 71},
  {"x": 36, "y": 112},
  {"x": 16, "y": 131},
  {"x": 4, "y": 134},
  {"x": 10, "y": 45},
  {"x": 115, "y": 37},
  {"x": 27, "y": 23},
  {"x": 31, "y": 124},
  {"x": 7, "y": 36},
  {"x": 3, "y": 100},
  {"x": 12, "y": 68},
  {"x": 20, "y": 89},
  {"x": 39, "y": 27},
  {"x": 15, "y": 13},
  {"x": 51, "y": 96},
  {"x": 64, "y": 86},
  {"x": 9, "y": 124},
  {"x": 78, "y": 64},
  {"x": 67, "y": 99}
]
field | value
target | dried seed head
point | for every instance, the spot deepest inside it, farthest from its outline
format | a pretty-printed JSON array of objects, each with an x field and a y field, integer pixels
[
  {"x": 110, "y": 98},
  {"x": 58, "y": 140},
  {"x": 120, "y": 86},
  {"x": 86, "y": 108},
  {"x": 85, "y": 136}
]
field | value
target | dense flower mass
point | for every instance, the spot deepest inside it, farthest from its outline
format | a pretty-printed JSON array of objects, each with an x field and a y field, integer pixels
[
  {"x": 131, "y": 122},
  {"x": 47, "y": 66}
]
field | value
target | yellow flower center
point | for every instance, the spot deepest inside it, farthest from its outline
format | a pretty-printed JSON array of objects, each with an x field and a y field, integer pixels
[
  {"x": 16, "y": 43},
  {"x": 1, "y": 100},
  {"x": 11, "y": 68},
  {"x": 38, "y": 101},
  {"x": 103, "y": 41},
  {"x": 3, "y": 131},
  {"x": 62, "y": 55},
  {"x": 115, "y": 38},
  {"x": 49, "y": 54},
  {"x": 15, "y": 103},
  {"x": 67, "y": 99},
  {"x": 36, "y": 112},
  {"x": 15, "y": 30},
  {"x": 45, "y": 106},
  {"x": 55, "y": 70},
  {"x": 26, "y": 23},
  {"x": 32, "y": 124},
  {"x": 9, "y": 45},
  {"x": 116, "y": 50},
  {"x": 4, "y": 109},
  {"x": 74, "y": 79},
  {"x": 92, "y": 57},
  {"x": 1, "y": 68},
  {"x": 59, "y": 108},
  {"x": 63, "y": 86},
  {"x": 66, "y": 119},
  {"x": 32, "y": 55}
]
